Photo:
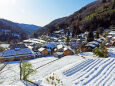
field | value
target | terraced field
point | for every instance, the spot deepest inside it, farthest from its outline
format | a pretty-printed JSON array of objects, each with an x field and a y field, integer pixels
[{"x": 92, "y": 72}]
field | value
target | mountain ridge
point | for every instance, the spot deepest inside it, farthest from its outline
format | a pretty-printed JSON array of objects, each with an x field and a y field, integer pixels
[
  {"x": 11, "y": 29},
  {"x": 78, "y": 17}
]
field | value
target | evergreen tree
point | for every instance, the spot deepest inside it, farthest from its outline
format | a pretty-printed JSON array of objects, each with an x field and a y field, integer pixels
[
  {"x": 100, "y": 30},
  {"x": 90, "y": 36},
  {"x": 67, "y": 39}
]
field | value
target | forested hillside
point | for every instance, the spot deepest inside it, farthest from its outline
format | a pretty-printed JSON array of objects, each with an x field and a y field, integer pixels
[{"x": 97, "y": 15}]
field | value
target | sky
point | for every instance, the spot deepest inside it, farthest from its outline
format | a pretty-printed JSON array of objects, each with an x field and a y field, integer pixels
[{"x": 39, "y": 12}]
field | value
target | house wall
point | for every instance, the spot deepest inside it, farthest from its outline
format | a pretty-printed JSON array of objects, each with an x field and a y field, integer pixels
[
  {"x": 84, "y": 49},
  {"x": 68, "y": 52},
  {"x": 44, "y": 53}
]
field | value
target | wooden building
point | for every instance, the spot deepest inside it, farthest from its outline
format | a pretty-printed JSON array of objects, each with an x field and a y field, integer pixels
[
  {"x": 58, "y": 54},
  {"x": 68, "y": 52},
  {"x": 38, "y": 54},
  {"x": 43, "y": 51}
]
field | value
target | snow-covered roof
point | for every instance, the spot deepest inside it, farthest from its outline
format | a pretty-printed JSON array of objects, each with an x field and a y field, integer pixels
[
  {"x": 30, "y": 47},
  {"x": 38, "y": 53},
  {"x": 92, "y": 45},
  {"x": 49, "y": 45},
  {"x": 55, "y": 49},
  {"x": 32, "y": 40},
  {"x": 9, "y": 53},
  {"x": 109, "y": 36},
  {"x": 41, "y": 49},
  {"x": 59, "y": 53},
  {"x": 59, "y": 40},
  {"x": 57, "y": 32},
  {"x": 48, "y": 49},
  {"x": 113, "y": 37},
  {"x": 59, "y": 46},
  {"x": 25, "y": 51},
  {"x": 78, "y": 39},
  {"x": 112, "y": 33},
  {"x": 67, "y": 48}
]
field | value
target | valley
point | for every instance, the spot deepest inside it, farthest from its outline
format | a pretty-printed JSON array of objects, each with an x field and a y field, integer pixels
[{"x": 76, "y": 50}]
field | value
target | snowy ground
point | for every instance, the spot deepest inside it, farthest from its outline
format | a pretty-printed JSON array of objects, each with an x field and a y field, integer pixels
[
  {"x": 10, "y": 74},
  {"x": 91, "y": 72},
  {"x": 111, "y": 52},
  {"x": 84, "y": 69}
]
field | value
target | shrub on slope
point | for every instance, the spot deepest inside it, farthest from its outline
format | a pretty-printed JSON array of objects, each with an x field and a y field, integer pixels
[{"x": 101, "y": 51}]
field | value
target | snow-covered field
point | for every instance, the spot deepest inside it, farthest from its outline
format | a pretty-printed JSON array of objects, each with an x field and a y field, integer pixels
[
  {"x": 84, "y": 69},
  {"x": 92, "y": 72},
  {"x": 111, "y": 52}
]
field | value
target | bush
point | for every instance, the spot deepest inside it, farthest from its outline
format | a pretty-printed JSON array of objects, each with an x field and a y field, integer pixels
[
  {"x": 2, "y": 49},
  {"x": 101, "y": 51},
  {"x": 54, "y": 80}
]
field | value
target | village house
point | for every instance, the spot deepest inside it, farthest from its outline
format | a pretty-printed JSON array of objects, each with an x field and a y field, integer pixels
[
  {"x": 50, "y": 52},
  {"x": 58, "y": 54},
  {"x": 68, "y": 51},
  {"x": 51, "y": 46},
  {"x": 43, "y": 51},
  {"x": 30, "y": 47},
  {"x": 38, "y": 54},
  {"x": 25, "y": 53},
  {"x": 32, "y": 41},
  {"x": 60, "y": 48},
  {"x": 48, "y": 47},
  {"x": 87, "y": 48}
]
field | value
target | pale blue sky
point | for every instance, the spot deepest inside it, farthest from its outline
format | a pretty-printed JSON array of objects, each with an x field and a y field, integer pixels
[{"x": 39, "y": 12}]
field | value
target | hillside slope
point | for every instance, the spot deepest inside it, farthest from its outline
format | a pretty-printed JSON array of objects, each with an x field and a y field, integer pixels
[{"x": 100, "y": 13}]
